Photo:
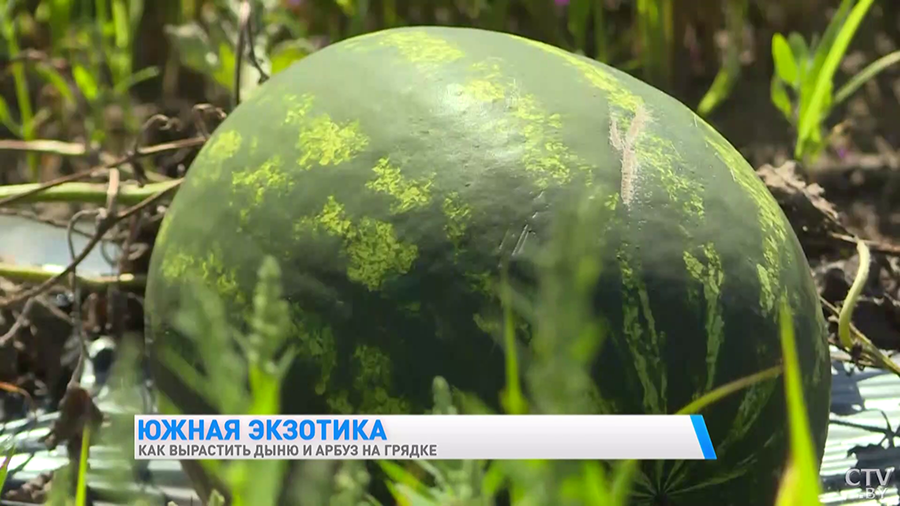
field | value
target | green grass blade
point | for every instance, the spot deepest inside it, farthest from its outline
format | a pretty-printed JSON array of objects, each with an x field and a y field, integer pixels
[
  {"x": 727, "y": 389},
  {"x": 813, "y": 115},
  {"x": 4, "y": 469},
  {"x": 81, "y": 487},
  {"x": 512, "y": 399},
  {"x": 136, "y": 78},
  {"x": 821, "y": 49},
  {"x": 398, "y": 475},
  {"x": 801, "y": 488},
  {"x": 780, "y": 99},
  {"x": 866, "y": 74}
]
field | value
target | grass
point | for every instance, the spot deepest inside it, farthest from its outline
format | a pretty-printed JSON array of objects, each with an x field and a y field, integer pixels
[{"x": 803, "y": 86}]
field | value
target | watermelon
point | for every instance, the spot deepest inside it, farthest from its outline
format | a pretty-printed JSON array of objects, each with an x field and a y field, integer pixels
[{"x": 391, "y": 175}]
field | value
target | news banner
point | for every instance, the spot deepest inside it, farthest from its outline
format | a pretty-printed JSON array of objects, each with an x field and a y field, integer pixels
[{"x": 430, "y": 437}]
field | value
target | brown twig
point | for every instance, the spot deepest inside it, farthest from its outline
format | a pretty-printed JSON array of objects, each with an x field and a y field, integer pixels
[
  {"x": 251, "y": 51},
  {"x": 879, "y": 246},
  {"x": 95, "y": 171},
  {"x": 21, "y": 321},
  {"x": 104, "y": 226},
  {"x": 198, "y": 111}
]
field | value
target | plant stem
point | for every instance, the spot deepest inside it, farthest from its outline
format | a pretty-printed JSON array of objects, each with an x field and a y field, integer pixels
[
  {"x": 28, "y": 274},
  {"x": 50, "y": 147},
  {"x": 89, "y": 193},
  {"x": 728, "y": 389},
  {"x": 862, "y": 274}
]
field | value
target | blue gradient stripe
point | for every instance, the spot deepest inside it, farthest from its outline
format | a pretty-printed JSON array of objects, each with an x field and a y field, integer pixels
[{"x": 709, "y": 453}]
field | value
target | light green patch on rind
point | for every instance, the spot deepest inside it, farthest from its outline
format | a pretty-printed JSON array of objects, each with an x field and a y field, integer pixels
[
  {"x": 339, "y": 403},
  {"x": 221, "y": 147},
  {"x": 458, "y": 214},
  {"x": 373, "y": 250},
  {"x": 415, "y": 46},
  {"x": 481, "y": 282},
  {"x": 660, "y": 156},
  {"x": 373, "y": 381},
  {"x": 545, "y": 155},
  {"x": 772, "y": 225},
  {"x": 652, "y": 152},
  {"x": 325, "y": 142},
  {"x": 322, "y": 140},
  {"x": 643, "y": 341},
  {"x": 260, "y": 181},
  {"x": 618, "y": 95},
  {"x": 408, "y": 194},
  {"x": 711, "y": 276},
  {"x": 297, "y": 108},
  {"x": 179, "y": 265},
  {"x": 316, "y": 345}
]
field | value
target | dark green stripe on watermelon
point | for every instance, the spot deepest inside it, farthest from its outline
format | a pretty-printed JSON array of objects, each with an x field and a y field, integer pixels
[{"x": 391, "y": 175}]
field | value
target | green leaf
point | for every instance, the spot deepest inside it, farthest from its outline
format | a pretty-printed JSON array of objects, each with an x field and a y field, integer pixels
[
  {"x": 288, "y": 52},
  {"x": 224, "y": 74},
  {"x": 86, "y": 82},
  {"x": 785, "y": 64},
  {"x": 800, "y": 50},
  {"x": 779, "y": 96}
]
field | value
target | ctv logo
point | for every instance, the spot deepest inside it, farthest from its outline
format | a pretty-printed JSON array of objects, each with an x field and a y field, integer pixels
[{"x": 873, "y": 482}]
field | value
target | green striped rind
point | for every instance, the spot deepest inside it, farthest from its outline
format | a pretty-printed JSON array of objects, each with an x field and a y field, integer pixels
[{"x": 391, "y": 174}]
